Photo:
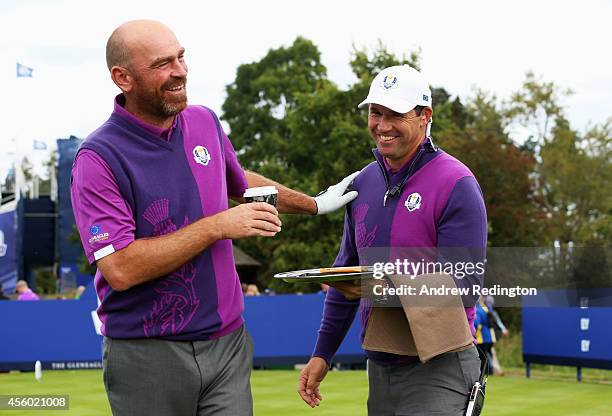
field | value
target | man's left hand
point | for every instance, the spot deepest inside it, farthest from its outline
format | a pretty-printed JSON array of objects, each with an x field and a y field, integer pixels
[{"x": 334, "y": 197}]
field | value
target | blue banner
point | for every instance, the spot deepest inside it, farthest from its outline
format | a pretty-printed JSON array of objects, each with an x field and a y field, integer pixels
[
  {"x": 8, "y": 258},
  {"x": 61, "y": 333},
  {"x": 573, "y": 336}
]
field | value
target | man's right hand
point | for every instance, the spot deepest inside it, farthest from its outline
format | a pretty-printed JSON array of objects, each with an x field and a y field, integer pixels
[
  {"x": 255, "y": 219},
  {"x": 351, "y": 289},
  {"x": 310, "y": 378}
]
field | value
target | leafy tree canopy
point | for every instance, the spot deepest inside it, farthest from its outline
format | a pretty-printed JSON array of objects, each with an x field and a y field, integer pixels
[{"x": 291, "y": 123}]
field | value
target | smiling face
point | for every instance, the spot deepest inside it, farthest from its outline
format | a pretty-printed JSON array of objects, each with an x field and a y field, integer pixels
[
  {"x": 397, "y": 136},
  {"x": 155, "y": 77}
]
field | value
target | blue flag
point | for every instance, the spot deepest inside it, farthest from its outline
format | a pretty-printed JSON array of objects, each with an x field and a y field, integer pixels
[
  {"x": 38, "y": 145},
  {"x": 24, "y": 71}
]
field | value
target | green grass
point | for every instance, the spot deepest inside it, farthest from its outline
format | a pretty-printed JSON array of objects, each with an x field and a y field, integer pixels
[
  {"x": 518, "y": 396},
  {"x": 275, "y": 393},
  {"x": 345, "y": 393},
  {"x": 85, "y": 388}
]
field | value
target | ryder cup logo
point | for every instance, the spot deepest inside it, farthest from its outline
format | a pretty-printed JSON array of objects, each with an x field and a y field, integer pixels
[
  {"x": 2, "y": 245},
  {"x": 201, "y": 155},
  {"x": 413, "y": 202},
  {"x": 389, "y": 81}
]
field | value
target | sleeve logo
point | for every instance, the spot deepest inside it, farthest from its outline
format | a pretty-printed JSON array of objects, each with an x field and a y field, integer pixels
[{"x": 97, "y": 234}]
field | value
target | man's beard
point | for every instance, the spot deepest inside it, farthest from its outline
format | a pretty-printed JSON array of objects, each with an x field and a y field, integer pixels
[
  {"x": 172, "y": 109},
  {"x": 158, "y": 106}
]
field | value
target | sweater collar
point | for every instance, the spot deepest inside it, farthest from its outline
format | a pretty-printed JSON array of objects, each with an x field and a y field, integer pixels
[{"x": 390, "y": 171}]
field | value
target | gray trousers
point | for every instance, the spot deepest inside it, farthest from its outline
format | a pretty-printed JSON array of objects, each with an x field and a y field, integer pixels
[
  {"x": 166, "y": 378},
  {"x": 441, "y": 386}
]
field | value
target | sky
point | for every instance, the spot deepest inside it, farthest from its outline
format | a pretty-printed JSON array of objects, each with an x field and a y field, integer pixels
[{"x": 463, "y": 44}]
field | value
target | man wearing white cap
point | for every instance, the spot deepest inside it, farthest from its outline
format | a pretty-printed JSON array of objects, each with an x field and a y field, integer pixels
[{"x": 412, "y": 195}]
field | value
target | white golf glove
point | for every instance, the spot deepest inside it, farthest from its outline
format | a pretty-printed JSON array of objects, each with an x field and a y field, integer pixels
[{"x": 334, "y": 197}]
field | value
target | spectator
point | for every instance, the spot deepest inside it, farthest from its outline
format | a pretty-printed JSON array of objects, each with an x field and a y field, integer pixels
[
  {"x": 498, "y": 326},
  {"x": 485, "y": 335},
  {"x": 25, "y": 293},
  {"x": 500, "y": 331},
  {"x": 488, "y": 325},
  {"x": 79, "y": 292},
  {"x": 252, "y": 290}
]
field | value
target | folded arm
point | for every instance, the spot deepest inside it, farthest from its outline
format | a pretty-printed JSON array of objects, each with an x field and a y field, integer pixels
[{"x": 147, "y": 259}]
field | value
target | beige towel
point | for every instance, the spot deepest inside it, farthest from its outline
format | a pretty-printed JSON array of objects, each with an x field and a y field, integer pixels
[{"x": 425, "y": 326}]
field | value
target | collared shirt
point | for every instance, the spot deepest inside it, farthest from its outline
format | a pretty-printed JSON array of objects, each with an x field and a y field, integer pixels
[
  {"x": 119, "y": 109},
  {"x": 132, "y": 180}
]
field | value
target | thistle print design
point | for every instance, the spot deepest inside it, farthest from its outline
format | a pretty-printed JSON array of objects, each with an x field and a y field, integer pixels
[
  {"x": 158, "y": 215},
  {"x": 363, "y": 237},
  {"x": 176, "y": 303}
]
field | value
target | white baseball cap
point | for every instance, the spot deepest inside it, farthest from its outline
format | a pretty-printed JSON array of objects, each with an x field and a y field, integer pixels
[{"x": 399, "y": 88}]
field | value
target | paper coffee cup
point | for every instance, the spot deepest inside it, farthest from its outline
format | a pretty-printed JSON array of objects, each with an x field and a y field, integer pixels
[{"x": 267, "y": 194}]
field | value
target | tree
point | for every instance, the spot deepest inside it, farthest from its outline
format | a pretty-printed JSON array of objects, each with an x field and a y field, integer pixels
[
  {"x": 572, "y": 174},
  {"x": 575, "y": 174},
  {"x": 260, "y": 97},
  {"x": 476, "y": 135},
  {"x": 536, "y": 106}
]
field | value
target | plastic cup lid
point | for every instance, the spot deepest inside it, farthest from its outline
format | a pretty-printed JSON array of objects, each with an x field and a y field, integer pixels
[{"x": 260, "y": 191}]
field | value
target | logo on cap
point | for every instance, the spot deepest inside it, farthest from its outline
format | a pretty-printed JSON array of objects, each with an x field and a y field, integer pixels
[
  {"x": 413, "y": 202},
  {"x": 425, "y": 98},
  {"x": 389, "y": 81},
  {"x": 201, "y": 155}
]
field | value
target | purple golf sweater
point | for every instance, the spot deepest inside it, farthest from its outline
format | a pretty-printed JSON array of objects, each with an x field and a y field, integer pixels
[
  {"x": 132, "y": 180},
  {"x": 450, "y": 213}
]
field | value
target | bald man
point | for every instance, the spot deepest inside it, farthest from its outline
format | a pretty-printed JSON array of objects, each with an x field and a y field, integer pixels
[{"x": 150, "y": 192}]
